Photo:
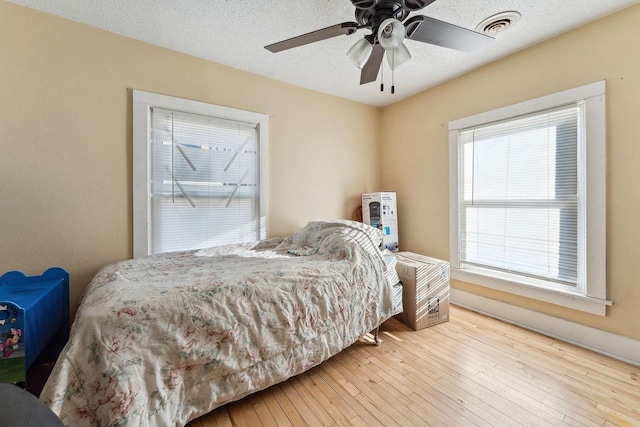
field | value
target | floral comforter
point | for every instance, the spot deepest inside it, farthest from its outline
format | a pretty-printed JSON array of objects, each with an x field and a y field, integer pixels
[{"x": 164, "y": 339}]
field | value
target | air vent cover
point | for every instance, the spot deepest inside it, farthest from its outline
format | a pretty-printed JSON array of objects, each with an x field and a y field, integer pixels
[{"x": 498, "y": 23}]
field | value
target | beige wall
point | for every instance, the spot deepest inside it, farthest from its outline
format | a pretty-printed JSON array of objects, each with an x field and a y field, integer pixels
[
  {"x": 415, "y": 150},
  {"x": 66, "y": 144}
]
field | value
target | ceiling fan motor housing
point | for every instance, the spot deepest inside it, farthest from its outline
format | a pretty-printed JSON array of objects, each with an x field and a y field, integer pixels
[
  {"x": 364, "y": 4},
  {"x": 414, "y": 5},
  {"x": 371, "y": 13},
  {"x": 411, "y": 5}
]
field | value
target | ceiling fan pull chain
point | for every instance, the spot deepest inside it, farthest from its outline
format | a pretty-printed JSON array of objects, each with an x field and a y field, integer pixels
[
  {"x": 381, "y": 78},
  {"x": 393, "y": 72}
]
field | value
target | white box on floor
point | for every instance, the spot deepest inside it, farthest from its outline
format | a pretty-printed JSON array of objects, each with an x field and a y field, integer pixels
[
  {"x": 380, "y": 210},
  {"x": 425, "y": 290}
]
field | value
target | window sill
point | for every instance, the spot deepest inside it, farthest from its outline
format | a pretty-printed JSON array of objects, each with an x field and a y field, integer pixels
[{"x": 569, "y": 299}]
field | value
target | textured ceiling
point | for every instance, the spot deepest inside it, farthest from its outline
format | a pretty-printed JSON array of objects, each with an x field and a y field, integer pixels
[{"x": 234, "y": 32}]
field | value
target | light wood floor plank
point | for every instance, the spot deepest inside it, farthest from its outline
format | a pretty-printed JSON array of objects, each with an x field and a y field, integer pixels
[
  {"x": 358, "y": 422},
  {"x": 336, "y": 405},
  {"x": 217, "y": 418},
  {"x": 261, "y": 408},
  {"x": 320, "y": 406},
  {"x": 440, "y": 402},
  {"x": 282, "y": 392},
  {"x": 372, "y": 394},
  {"x": 274, "y": 407},
  {"x": 242, "y": 414},
  {"x": 574, "y": 380},
  {"x": 595, "y": 363},
  {"x": 334, "y": 379},
  {"x": 440, "y": 365},
  {"x": 369, "y": 373},
  {"x": 471, "y": 371},
  {"x": 501, "y": 385},
  {"x": 527, "y": 373}
]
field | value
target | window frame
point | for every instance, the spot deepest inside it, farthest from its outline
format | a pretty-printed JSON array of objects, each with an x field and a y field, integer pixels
[
  {"x": 143, "y": 102},
  {"x": 592, "y": 296}
]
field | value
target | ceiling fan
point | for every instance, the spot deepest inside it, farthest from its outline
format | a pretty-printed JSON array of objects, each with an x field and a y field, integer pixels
[{"x": 385, "y": 20}]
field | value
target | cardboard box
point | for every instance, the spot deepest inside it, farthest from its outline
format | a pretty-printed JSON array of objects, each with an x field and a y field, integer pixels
[
  {"x": 425, "y": 290},
  {"x": 380, "y": 210}
]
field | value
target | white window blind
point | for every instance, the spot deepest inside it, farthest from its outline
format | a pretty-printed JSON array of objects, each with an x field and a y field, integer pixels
[
  {"x": 204, "y": 185},
  {"x": 518, "y": 197}
]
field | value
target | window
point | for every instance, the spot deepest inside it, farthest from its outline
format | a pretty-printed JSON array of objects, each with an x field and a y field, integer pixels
[
  {"x": 528, "y": 199},
  {"x": 200, "y": 175}
]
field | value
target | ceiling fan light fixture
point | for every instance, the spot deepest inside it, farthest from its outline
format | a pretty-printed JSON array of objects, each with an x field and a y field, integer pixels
[
  {"x": 391, "y": 33},
  {"x": 360, "y": 52},
  {"x": 398, "y": 56}
]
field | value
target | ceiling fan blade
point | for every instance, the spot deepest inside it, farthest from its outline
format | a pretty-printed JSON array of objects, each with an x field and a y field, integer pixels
[
  {"x": 433, "y": 31},
  {"x": 370, "y": 70},
  {"x": 346, "y": 28}
]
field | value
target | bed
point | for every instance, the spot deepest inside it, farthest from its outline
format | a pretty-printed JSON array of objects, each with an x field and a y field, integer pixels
[{"x": 164, "y": 339}]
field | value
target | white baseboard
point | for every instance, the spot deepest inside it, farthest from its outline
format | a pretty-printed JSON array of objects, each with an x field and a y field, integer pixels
[{"x": 616, "y": 346}]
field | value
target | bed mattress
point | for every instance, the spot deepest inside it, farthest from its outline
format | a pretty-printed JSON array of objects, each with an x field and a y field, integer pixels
[{"x": 164, "y": 339}]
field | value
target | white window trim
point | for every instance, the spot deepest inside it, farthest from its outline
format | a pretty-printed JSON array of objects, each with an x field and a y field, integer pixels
[
  {"x": 593, "y": 299},
  {"x": 143, "y": 102}
]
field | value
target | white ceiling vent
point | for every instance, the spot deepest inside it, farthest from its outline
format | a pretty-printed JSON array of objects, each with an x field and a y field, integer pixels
[{"x": 498, "y": 23}]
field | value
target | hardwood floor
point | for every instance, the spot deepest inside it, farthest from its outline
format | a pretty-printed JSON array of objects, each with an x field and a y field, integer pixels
[{"x": 472, "y": 370}]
